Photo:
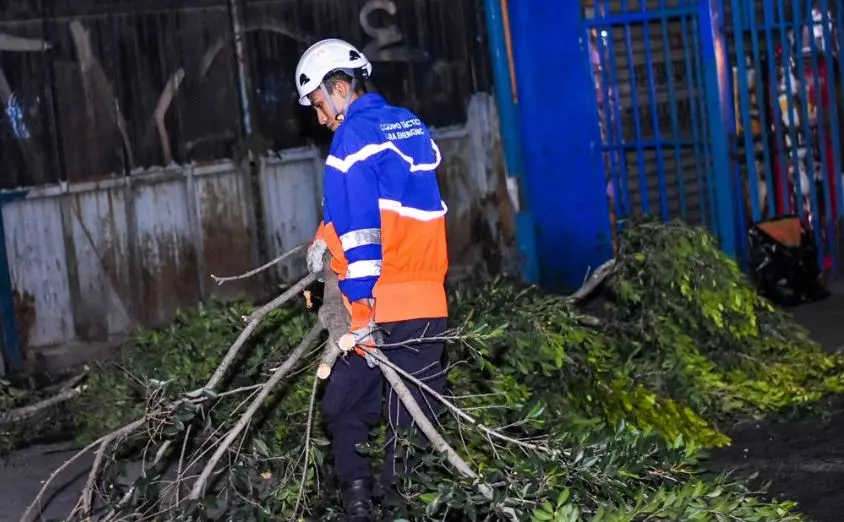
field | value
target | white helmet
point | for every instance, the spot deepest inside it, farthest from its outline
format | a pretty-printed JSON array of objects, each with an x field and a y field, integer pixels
[{"x": 324, "y": 57}]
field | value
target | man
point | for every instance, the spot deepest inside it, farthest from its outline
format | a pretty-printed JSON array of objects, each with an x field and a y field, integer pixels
[{"x": 384, "y": 224}]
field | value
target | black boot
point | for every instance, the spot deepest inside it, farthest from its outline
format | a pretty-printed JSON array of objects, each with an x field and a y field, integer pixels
[{"x": 356, "y": 500}]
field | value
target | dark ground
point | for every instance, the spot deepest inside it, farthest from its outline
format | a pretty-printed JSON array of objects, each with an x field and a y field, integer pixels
[{"x": 803, "y": 458}]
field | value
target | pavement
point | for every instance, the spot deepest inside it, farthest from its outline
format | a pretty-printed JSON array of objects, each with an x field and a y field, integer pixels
[{"x": 803, "y": 458}]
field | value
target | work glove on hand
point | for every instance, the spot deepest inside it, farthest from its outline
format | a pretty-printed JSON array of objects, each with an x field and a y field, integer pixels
[
  {"x": 316, "y": 257},
  {"x": 363, "y": 331}
]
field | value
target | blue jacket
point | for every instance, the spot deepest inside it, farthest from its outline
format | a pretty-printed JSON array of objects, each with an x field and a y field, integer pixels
[{"x": 382, "y": 200}]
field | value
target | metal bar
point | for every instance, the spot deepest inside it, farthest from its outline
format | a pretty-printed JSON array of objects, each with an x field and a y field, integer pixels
[
  {"x": 700, "y": 123},
  {"x": 822, "y": 118},
  {"x": 763, "y": 114},
  {"x": 807, "y": 133},
  {"x": 628, "y": 17},
  {"x": 643, "y": 181},
  {"x": 781, "y": 181},
  {"x": 672, "y": 103},
  {"x": 616, "y": 105},
  {"x": 663, "y": 191},
  {"x": 839, "y": 24},
  {"x": 713, "y": 45},
  {"x": 789, "y": 120},
  {"x": 743, "y": 90},
  {"x": 508, "y": 113},
  {"x": 833, "y": 86},
  {"x": 609, "y": 138}
]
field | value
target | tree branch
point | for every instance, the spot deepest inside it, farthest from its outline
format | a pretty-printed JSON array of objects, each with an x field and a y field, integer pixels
[
  {"x": 256, "y": 271},
  {"x": 199, "y": 486}
]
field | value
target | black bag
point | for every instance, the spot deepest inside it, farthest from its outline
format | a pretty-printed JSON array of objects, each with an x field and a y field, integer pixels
[{"x": 784, "y": 262}]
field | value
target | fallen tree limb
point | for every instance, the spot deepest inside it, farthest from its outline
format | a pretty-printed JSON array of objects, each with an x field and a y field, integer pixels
[
  {"x": 294, "y": 357},
  {"x": 334, "y": 317},
  {"x": 107, "y": 439},
  {"x": 426, "y": 427},
  {"x": 256, "y": 271},
  {"x": 253, "y": 321},
  {"x": 384, "y": 360},
  {"x": 25, "y": 412}
]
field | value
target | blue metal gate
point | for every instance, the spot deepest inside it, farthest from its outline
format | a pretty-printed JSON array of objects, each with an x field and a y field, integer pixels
[
  {"x": 787, "y": 76},
  {"x": 657, "y": 84},
  {"x": 721, "y": 112}
]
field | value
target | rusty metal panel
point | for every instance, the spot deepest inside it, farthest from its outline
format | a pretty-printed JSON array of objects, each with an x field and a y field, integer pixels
[
  {"x": 98, "y": 265},
  {"x": 481, "y": 216},
  {"x": 224, "y": 217},
  {"x": 167, "y": 256},
  {"x": 38, "y": 265},
  {"x": 291, "y": 195}
]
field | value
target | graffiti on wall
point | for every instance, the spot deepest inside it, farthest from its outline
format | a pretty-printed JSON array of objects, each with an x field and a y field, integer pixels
[{"x": 129, "y": 91}]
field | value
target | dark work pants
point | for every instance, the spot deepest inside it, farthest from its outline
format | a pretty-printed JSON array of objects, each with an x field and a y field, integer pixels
[{"x": 354, "y": 396}]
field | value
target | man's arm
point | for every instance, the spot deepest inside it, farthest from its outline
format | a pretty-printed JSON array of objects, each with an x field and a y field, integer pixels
[{"x": 351, "y": 190}]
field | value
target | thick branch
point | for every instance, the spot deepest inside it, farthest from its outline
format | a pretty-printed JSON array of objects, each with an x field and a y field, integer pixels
[
  {"x": 334, "y": 317},
  {"x": 278, "y": 375},
  {"x": 253, "y": 321},
  {"x": 428, "y": 428},
  {"x": 28, "y": 411}
]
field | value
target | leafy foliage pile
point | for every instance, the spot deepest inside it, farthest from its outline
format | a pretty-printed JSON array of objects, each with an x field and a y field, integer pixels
[{"x": 619, "y": 413}]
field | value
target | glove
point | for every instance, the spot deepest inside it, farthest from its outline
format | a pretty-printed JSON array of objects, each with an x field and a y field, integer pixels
[
  {"x": 316, "y": 257},
  {"x": 364, "y": 333}
]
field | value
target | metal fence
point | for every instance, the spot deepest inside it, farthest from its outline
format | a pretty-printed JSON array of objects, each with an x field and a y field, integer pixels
[
  {"x": 723, "y": 112},
  {"x": 89, "y": 261},
  {"x": 94, "y": 89}
]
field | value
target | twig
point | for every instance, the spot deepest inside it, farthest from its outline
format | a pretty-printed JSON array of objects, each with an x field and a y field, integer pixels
[
  {"x": 256, "y": 271},
  {"x": 125, "y": 430},
  {"x": 253, "y": 321},
  {"x": 85, "y": 499},
  {"x": 28, "y": 411},
  {"x": 383, "y": 360},
  {"x": 428, "y": 428},
  {"x": 288, "y": 294},
  {"x": 307, "y": 450},
  {"x": 284, "y": 369}
]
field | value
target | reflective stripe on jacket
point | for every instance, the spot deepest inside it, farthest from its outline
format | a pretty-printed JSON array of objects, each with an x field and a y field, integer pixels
[{"x": 383, "y": 216}]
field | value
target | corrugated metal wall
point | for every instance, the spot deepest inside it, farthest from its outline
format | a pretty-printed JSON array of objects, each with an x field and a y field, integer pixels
[{"x": 91, "y": 260}]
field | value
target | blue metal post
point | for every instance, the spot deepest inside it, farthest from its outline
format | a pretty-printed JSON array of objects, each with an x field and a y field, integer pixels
[
  {"x": 11, "y": 340},
  {"x": 511, "y": 136},
  {"x": 561, "y": 140},
  {"x": 715, "y": 66}
]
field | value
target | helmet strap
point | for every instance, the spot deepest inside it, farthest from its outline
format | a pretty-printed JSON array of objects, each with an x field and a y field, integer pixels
[{"x": 339, "y": 115}]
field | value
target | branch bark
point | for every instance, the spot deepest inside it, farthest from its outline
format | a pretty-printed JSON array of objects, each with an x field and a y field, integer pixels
[
  {"x": 294, "y": 357},
  {"x": 333, "y": 316},
  {"x": 253, "y": 321},
  {"x": 256, "y": 271}
]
